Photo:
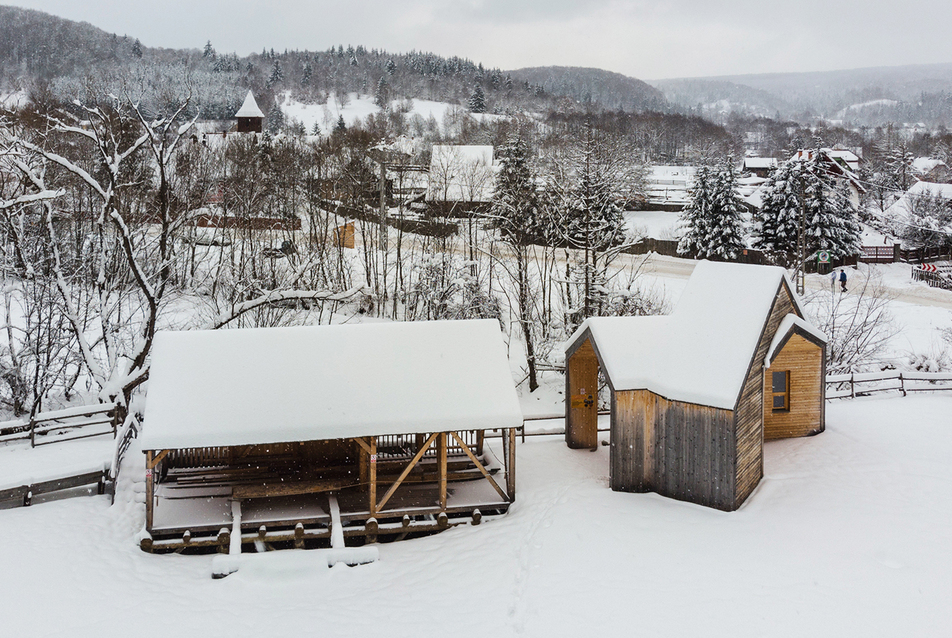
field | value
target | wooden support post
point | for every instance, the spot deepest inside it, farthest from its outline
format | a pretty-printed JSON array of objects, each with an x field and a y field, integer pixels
[
  {"x": 149, "y": 490},
  {"x": 299, "y": 536},
  {"x": 224, "y": 540},
  {"x": 511, "y": 467},
  {"x": 373, "y": 477},
  {"x": 480, "y": 438},
  {"x": 441, "y": 451}
]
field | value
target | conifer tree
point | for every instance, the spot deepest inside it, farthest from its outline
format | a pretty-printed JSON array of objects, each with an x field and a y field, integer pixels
[
  {"x": 209, "y": 51},
  {"x": 477, "y": 101},
  {"x": 712, "y": 220},
  {"x": 803, "y": 193}
]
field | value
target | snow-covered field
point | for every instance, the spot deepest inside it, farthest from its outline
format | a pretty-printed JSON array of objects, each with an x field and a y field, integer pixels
[
  {"x": 358, "y": 107},
  {"x": 848, "y": 535}
]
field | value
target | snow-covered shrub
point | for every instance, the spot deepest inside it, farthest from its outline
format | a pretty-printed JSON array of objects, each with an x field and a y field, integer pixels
[{"x": 936, "y": 359}]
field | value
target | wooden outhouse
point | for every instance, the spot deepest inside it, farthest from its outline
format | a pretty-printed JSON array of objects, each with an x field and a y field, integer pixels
[
  {"x": 695, "y": 393},
  {"x": 389, "y": 429}
]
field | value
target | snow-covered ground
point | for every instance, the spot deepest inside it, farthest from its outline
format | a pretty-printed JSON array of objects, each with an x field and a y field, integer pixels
[
  {"x": 848, "y": 535},
  {"x": 358, "y": 107}
]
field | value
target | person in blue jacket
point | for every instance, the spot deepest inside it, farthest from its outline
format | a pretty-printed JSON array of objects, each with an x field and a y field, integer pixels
[{"x": 842, "y": 280}]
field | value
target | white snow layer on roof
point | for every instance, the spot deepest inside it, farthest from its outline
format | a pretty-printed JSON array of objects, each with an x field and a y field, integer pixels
[
  {"x": 700, "y": 353},
  {"x": 272, "y": 385},
  {"x": 249, "y": 107},
  {"x": 788, "y": 323},
  {"x": 903, "y": 206}
]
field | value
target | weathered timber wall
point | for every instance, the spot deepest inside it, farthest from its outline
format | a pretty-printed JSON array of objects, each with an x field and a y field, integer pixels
[
  {"x": 676, "y": 449},
  {"x": 749, "y": 426},
  {"x": 805, "y": 360},
  {"x": 581, "y": 384}
]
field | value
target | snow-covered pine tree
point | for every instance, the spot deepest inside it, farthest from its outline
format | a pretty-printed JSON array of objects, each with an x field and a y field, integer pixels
[
  {"x": 725, "y": 226},
  {"x": 694, "y": 217},
  {"x": 277, "y": 75},
  {"x": 712, "y": 220},
  {"x": 137, "y": 48},
  {"x": 341, "y": 126},
  {"x": 382, "y": 94},
  {"x": 275, "y": 119},
  {"x": 803, "y": 192},
  {"x": 306, "y": 74},
  {"x": 209, "y": 50},
  {"x": 477, "y": 101}
]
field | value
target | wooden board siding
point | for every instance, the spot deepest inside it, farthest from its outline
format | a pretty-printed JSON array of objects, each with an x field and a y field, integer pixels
[
  {"x": 676, "y": 449},
  {"x": 805, "y": 362},
  {"x": 581, "y": 423},
  {"x": 749, "y": 425}
]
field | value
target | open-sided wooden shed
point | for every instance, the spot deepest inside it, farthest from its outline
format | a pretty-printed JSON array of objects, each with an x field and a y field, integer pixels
[
  {"x": 278, "y": 431},
  {"x": 695, "y": 393}
]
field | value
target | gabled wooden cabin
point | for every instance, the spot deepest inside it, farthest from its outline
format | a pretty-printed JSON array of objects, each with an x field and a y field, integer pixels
[
  {"x": 695, "y": 393},
  {"x": 278, "y": 431}
]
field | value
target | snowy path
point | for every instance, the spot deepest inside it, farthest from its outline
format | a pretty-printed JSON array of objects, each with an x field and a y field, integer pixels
[
  {"x": 850, "y": 534},
  {"x": 21, "y": 465}
]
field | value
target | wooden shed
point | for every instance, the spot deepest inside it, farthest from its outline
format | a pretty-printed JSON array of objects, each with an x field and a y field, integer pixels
[
  {"x": 695, "y": 393},
  {"x": 279, "y": 432}
]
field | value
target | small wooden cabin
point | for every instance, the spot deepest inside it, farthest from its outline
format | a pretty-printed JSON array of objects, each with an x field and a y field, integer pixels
[
  {"x": 695, "y": 393},
  {"x": 250, "y": 117},
  {"x": 279, "y": 430}
]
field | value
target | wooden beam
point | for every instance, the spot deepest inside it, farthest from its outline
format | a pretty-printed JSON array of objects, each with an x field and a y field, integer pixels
[
  {"x": 479, "y": 466},
  {"x": 360, "y": 441},
  {"x": 157, "y": 459},
  {"x": 287, "y": 488},
  {"x": 511, "y": 466},
  {"x": 149, "y": 490},
  {"x": 403, "y": 475},
  {"x": 442, "y": 466},
  {"x": 372, "y": 457}
]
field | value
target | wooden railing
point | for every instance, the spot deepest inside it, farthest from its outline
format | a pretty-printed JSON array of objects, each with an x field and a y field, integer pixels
[
  {"x": 63, "y": 425},
  {"x": 840, "y": 386}
]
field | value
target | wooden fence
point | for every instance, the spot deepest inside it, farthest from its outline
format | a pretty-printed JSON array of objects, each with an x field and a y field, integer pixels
[
  {"x": 22, "y": 495},
  {"x": 62, "y": 425},
  {"x": 840, "y": 386}
]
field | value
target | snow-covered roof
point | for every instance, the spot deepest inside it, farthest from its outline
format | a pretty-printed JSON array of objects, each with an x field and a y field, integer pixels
[
  {"x": 461, "y": 174},
  {"x": 272, "y": 385},
  {"x": 249, "y": 107},
  {"x": 760, "y": 162},
  {"x": 923, "y": 165},
  {"x": 790, "y": 322},
  {"x": 903, "y": 206},
  {"x": 669, "y": 184},
  {"x": 701, "y": 352}
]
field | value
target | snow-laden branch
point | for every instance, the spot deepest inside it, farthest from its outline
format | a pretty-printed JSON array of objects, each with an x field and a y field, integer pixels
[{"x": 283, "y": 295}]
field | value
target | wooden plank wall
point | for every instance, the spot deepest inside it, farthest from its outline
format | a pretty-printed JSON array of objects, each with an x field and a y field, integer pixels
[
  {"x": 804, "y": 359},
  {"x": 680, "y": 450},
  {"x": 749, "y": 425},
  {"x": 581, "y": 423}
]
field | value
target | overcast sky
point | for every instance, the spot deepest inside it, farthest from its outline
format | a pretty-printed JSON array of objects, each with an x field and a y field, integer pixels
[{"x": 648, "y": 39}]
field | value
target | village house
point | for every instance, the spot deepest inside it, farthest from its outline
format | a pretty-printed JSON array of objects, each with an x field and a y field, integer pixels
[{"x": 694, "y": 394}]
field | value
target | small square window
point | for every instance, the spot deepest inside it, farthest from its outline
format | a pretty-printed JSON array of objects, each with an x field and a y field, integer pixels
[{"x": 780, "y": 382}]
